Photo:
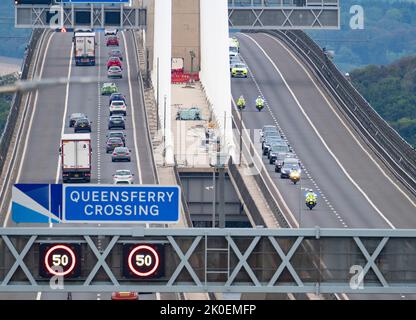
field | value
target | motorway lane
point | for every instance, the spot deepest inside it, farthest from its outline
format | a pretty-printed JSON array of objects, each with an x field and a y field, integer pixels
[
  {"x": 396, "y": 207},
  {"x": 353, "y": 208},
  {"x": 41, "y": 162},
  {"x": 87, "y": 99},
  {"x": 39, "y": 165},
  {"x": 345, "y": 198}
]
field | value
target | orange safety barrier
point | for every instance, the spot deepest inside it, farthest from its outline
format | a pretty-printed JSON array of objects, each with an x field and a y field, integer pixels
[{"x": 178, "y": 76}]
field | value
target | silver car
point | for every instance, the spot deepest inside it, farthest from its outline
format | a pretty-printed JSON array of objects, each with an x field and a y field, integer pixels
[
  {"x": 115, "y": 72},
  {"x": 121, "y": 154}
]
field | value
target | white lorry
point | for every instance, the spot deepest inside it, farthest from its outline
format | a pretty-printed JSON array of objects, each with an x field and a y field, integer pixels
[
  {"x": 84, "y": 48},
  {"x": 76, "y": 157}
]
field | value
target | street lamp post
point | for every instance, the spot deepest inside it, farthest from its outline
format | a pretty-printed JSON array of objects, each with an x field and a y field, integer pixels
[
  {"x": 157, "y": 97},
  {"x": 164, "y": 128},
  {"x": 241, "y": 106}
]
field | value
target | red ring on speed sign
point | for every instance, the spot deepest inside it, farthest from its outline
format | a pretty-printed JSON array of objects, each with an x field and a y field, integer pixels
[
  {"x": 65, "y": 248},
  {"x": 143, "y": 274}
]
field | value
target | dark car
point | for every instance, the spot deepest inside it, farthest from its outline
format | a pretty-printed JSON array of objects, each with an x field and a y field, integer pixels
[
  {"x": 268, "y": 128},
  {"x": 116, "y": 122},
  {"x": 268, "y": 135},
  {"x": 116, "y": 53},
  {"x": 277, "y": 148},
  {"x": 113, "y": 143},
  {"x": 121, "y": 154},
  {"x": 269, "y": 141},
  {"x": 278, "y": 163},
  {"x": 289, "y": 165},
  {"x": 82, "y": 125},
  {"x": 117, "y": 134},
  {"x": 117, "y": 97},
  {"x": 74, "y": 117},
  {"x": 112, "y": 42}
]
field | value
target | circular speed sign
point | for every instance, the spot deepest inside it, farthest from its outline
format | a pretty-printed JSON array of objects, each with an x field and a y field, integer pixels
[
  {"x": 59, "y": 260},
  {"x": 144, "y": 261}
]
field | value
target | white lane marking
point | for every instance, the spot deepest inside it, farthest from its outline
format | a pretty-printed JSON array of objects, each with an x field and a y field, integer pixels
[
  {"x": 58, "y": 170},
  {"x": 39, "y": 296},
  {"x": 344, "y": 124},
  {"x": 321, "y": 138},
  {"x": 158, "y": 296},
  {"x": 28, "y": 130},
  {"x": 98, "y": 125},
  {"x": 132, "y": 111}
]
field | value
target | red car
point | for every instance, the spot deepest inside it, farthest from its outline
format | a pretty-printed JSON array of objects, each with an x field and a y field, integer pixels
[
  {"x": 114, "y": 61},
  {"x": 112, "y": 42},
  {"x": 125, "y": 296}
]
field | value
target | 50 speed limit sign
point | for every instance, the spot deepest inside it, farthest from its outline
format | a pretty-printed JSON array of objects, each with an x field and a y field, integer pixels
[
  {"x": 143, "y": 261},
  {"x": 60, "y": 260}
]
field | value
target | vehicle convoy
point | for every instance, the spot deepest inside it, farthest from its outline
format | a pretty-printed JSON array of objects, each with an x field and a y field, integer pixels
[
  {"x": 84, "y": 48},
  {"x": 75, "y": 153}
]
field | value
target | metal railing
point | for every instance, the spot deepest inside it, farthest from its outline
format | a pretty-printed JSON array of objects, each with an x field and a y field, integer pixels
[
  {"x": 12, "y": 117},
  {"x": 246, "y": 196},
  {"x": 390, "y": 147},
  {"x": 149, "y": 138},
  {"x": 185, "y": 206}
]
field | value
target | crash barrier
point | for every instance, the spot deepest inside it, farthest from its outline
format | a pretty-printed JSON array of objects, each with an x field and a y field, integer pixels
[
  {"x": 245, "y": 194},
  {"x": 265, "y": 183},
  {"x": 389, "y": 146},
  {"x": 183, "y": 199},
  {"x": 140, "y": 78},
  {"x": 7, "y": 134}
]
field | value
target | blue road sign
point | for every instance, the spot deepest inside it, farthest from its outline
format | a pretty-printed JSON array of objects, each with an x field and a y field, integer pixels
[
  {"x": 129, "y": 204},
  {"x": 37, "y": 203}
]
